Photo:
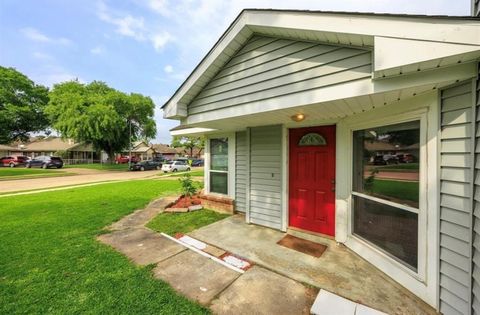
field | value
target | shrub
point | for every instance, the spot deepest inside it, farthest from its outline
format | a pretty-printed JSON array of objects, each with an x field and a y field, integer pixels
[{"x": 188, "y": 186}]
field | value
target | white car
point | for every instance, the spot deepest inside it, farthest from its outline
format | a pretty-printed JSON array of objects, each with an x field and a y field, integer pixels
[{"x": 174, "y": 166}]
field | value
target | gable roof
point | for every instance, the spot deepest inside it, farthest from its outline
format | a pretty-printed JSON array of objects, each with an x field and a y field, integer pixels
[
  {"x": 6, "y": 148},
  {"x": 52, "y": 144},
  {"x": 454, "y": 34},
  {"x": 164, "y": 149}
]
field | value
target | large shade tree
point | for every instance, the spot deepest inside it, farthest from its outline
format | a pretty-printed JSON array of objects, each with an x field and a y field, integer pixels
[
  {"x": 98, "y": 114},
  {"x": 22, "y": 104},
  {"x": 189, "y": 143}
]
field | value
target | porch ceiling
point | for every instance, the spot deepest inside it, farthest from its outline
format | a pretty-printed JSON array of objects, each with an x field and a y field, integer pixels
[{"x": 327, "y": 112}]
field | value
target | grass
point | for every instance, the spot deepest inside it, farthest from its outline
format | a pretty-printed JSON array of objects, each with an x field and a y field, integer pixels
[
  {"x": 402, "y": 190},
  {"x": 172, "y": 223},
  {"x": 51, "y": 263},
  {"x": 25, "y": 173},
  {"x": 400, "y": 167},
  {"x": 192, "y": 173},
  {"x": 102, "y": 167}
]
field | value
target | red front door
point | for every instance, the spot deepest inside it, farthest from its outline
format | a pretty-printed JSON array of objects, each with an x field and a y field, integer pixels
[{"x": 312, "y": 179}]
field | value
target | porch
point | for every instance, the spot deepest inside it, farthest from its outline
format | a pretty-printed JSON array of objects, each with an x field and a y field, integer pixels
[{"x": 338, "y": 270}]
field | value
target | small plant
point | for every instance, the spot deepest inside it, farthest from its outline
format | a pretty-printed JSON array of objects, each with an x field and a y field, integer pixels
[
  {"x": 369, "y": 181},
  {"x": 188, "y": 187}
]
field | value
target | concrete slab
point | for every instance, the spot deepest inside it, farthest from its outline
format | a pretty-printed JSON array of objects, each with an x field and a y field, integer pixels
[
  {"x": 365, "y": 310},
  {"x": 197, "y": 277},
  {"x": 141, "y": 217},
  {"x": 214, "y": 251},
  {"x": 338, "y": 270},
  {"x": 260, "y": 291},
  {"x": 141, "y": 245},
  {"x": 329, "y": 303}
]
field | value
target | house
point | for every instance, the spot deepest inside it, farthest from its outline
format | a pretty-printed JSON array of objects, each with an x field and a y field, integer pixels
[
  {"x": 141, "y": 150},
  {"x": 6, "y": 150},
  {"x": 74, "y": 152},
  {"x": 165, "y": 151},
  {"x": 196, "y": 153},
  {"x": 288, "y": 100}
]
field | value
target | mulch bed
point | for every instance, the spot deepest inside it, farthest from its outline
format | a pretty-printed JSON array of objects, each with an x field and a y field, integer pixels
[{"x": 185, "y": 202}]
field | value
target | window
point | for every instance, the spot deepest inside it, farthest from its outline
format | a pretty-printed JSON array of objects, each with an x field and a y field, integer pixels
[
  {"x": 386, "y": 186},
  {"x": 219, "y": 166}
]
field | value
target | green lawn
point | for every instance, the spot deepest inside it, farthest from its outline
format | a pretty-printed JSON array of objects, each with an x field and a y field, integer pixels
[
  {"x": 51, "y": 263},
  {"x": 400, "y": 167},
  {"x": 98, "y": 166},
  {"x": 192, "y": 173},
  {"x": 396, "y": 189},
  {"x": 171, "y": 223},
  {"x": 24, "y": 173}
]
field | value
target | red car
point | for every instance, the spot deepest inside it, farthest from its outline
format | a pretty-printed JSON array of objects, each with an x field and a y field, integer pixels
[
  {"x": 124, "y": 159},
  {"x": 13, "y": 161}
]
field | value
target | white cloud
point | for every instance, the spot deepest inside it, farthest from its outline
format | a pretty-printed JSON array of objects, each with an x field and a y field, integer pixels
[
  {"x": 168, "y": 69},
  {"x": 41, "y": 56},
  {"x": 135, "y": 27},
  {"x": 159, "y": 40},
  {"x": 37, "y": 36},
  {"x": 98, "y": 50},
  {"x": 34, "y": 35},
  {"x": 126, "y": 25},
  {"x": 160, "y": 6}
]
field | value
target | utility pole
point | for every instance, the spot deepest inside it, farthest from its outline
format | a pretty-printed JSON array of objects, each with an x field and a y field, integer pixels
[{"x": 130, "y": 144}]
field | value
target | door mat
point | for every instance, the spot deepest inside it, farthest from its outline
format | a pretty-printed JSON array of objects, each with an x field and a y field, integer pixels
[{"x": 303, "y": 246}]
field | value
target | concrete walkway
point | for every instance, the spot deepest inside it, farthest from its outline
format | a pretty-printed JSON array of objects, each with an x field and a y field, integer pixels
[
  {"x": 86, "y": 177},
  {"x": 225, "y": 291}
]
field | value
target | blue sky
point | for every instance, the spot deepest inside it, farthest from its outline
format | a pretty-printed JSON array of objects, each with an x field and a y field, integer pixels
[{"x": 144, "y": 46}]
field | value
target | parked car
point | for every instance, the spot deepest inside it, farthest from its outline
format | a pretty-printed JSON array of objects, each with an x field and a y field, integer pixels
[
  {"x": 405, "y": 158},
  {"x": 12, "y": 161},
  {"x": 385, "y": 159},
  {"x": 198, "y": 162},
  {"x": 45, "y": 161},
  {"x": 145, "y": 165},
  {"x": 158, "y": 159},
  {"x": 174, "y": 166},
  {"x": 122, "y": 159}
]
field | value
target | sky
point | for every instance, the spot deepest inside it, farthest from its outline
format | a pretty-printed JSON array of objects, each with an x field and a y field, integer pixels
[{"x": 145, "y": 46}]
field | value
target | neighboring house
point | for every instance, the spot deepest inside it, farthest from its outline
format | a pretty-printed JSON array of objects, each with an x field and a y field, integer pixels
[
  {"x": 288, "y": 100},
  {"x": 75, "y": 152},
  {"x": 165, "y": 151},
  {"x": 6, "y": 150},
  {"x": 196, "y": 153},
  {"x": 141, "y": 150}
]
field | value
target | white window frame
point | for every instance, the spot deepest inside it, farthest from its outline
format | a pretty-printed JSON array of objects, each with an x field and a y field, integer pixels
[
  {"x": 231, "y": 164},
  {"x": 422, "y": 282},
  {"x": 422, "y": 202}
]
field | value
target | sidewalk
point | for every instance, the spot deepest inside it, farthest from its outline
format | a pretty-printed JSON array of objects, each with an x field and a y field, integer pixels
[{"x": 225, "y": 291}]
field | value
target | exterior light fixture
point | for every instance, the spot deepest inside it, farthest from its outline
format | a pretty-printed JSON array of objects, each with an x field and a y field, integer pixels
[{"x": 298, "y": 117}]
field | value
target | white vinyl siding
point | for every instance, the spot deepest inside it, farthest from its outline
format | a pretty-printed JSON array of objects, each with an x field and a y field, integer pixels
[
  {"x": 271, "y": 67},
  {"x": 476, "y": 213},
  {"x": 241, "y": 171},
  {"x": 266, "y": 176},
  {"x": 456, "y": 198}
]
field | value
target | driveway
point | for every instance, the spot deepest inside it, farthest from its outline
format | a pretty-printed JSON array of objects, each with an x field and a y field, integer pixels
[{"x": 85, "y": 176}]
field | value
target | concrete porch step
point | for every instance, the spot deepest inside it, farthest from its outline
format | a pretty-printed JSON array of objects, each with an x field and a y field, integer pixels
[{"x": 328, "y": 303}]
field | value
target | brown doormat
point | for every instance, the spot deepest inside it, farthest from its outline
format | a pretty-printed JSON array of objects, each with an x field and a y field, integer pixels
[{"x": 303, "y": 246}]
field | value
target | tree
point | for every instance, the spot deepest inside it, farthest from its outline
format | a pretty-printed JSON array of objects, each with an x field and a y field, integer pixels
[
  {"x": 189, "y": 143},
  {"x": 22, "y": 104},
  {"x": 100, "y": 115}
]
